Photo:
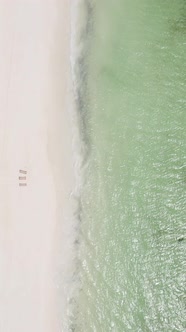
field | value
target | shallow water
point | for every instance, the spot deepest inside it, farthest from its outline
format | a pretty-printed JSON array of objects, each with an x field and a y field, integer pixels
[{"x": 133, "y": 232}]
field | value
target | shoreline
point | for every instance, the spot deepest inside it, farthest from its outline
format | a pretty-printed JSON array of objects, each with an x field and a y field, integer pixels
[{"x": 37, "y": 221}]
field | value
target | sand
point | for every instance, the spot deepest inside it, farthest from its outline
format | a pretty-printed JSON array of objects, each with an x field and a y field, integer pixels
[{"x": 36, "y": 245}]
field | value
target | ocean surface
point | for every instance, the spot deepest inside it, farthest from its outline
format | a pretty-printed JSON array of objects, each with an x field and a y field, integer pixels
[{"x": 132, "y": 239}]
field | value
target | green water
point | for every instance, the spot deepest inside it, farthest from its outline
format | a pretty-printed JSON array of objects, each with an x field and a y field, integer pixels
[{"x": 132, "y": 254}]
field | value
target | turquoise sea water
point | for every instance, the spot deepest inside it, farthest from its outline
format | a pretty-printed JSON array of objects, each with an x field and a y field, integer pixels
[{"x": 132, "y": 251}]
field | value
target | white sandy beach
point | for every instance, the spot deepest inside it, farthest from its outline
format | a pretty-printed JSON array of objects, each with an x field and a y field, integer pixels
[{"x": 35, "y": 136}]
